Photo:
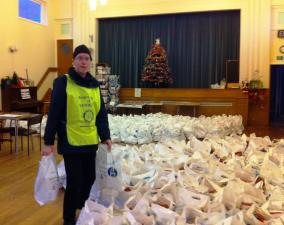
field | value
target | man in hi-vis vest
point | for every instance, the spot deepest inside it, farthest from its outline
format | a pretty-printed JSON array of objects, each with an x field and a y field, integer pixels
[{"x": 78, "y": 116}]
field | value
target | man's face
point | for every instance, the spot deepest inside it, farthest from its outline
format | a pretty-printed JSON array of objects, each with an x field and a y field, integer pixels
[{"x": 82, "y": 63}]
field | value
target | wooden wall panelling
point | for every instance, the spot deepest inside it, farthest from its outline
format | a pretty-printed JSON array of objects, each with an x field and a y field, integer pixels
[{"x": 259, "y": 113}]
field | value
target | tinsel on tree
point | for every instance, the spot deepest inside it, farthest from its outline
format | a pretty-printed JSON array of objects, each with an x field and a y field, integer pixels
[{"x": 156, "y": 70}]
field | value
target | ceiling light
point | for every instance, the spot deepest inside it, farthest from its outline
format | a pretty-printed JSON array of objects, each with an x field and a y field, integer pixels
[{"x": 93, "y": 4}]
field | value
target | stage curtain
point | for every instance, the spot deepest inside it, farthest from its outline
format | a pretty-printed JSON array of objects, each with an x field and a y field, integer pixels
[{"x": 197, "y": 45}]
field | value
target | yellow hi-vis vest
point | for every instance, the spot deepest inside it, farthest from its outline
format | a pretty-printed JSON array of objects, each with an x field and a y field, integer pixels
[{"x": 83, "y": 105}]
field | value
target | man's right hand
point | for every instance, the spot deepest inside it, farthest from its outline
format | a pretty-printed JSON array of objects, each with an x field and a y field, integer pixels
[{"x": 47, "y": 150}]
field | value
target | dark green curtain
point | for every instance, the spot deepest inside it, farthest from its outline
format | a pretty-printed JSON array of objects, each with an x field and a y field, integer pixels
[{"x": 197, "y": 45}]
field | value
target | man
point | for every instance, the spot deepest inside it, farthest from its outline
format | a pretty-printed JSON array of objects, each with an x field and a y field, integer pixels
[{"x": 78, "y": 116}]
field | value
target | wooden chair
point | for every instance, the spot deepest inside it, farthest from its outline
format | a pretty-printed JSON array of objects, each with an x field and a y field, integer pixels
[{"x": 35, "y": 119}]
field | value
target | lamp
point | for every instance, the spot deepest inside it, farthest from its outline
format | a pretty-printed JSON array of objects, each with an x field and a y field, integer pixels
[
  {"x": 93, "y": 4},
  {"x": 12, "y": 49}
]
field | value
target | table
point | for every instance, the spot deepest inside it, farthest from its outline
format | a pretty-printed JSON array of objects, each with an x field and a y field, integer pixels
[
  {"x": 131, "y": 108},
  {"x": 178, "y": 104},
  {"x": 153, "y": 107},
  {"x": 194, "y": 105},
  {"x": 146, "y": 107},
  {"x": 15, "y": 116}
]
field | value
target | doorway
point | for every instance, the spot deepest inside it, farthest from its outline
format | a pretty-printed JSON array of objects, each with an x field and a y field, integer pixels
[
  {"x": 64, "y": 55},
  {"x": 277, "y": 95}
]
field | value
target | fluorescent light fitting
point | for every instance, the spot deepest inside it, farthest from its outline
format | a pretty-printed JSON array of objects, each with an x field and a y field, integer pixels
[{"x": 93, "y": 4}]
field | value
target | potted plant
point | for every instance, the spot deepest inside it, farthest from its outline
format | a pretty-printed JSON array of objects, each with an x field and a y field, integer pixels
[{"x": 255, "y": 91}]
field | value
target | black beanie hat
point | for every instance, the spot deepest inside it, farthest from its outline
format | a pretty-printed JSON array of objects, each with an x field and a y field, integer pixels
[{"x": 81, "y": 49}]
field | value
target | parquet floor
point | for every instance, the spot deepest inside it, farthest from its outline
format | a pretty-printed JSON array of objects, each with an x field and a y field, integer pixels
[{"x": 17, "y": 175}]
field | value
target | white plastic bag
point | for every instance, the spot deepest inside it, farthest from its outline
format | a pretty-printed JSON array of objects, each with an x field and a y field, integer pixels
[
  {"x": 108, "y": 169},
  {"x": 62, "y": 174},
  {"x": 94, "y": 214},
  {"x": 47, "y": 181}
]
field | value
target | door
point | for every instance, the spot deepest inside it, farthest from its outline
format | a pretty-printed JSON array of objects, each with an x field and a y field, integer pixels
[{"x": 64, "y": 55}]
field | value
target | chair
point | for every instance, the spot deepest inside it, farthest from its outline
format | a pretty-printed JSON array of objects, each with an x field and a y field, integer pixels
[
  {"x": 5, "y": 130},
  {"x": 35, "y": 119}
]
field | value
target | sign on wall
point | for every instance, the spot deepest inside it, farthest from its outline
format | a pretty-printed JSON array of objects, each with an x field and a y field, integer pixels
[{"x": 277, "y": 35}]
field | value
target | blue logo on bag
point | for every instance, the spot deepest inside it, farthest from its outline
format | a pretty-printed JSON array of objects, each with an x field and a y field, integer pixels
[{"x": 112, "y": 172}]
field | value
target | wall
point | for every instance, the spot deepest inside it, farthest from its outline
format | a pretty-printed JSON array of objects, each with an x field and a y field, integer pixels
[
  {"x": 35, "y": 43},
  {"x": 64, "y": 9},
  {"x": 63, "y": 21},
  {"x": 255, "y": 24},
  {"x": 48, "y": 83}
]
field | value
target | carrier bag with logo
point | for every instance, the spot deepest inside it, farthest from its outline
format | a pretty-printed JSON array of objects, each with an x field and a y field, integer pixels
[{"x": 108, "y": 169}]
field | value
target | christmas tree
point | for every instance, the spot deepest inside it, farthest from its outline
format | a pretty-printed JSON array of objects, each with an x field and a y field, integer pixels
[{"x": 156, "y": 72}]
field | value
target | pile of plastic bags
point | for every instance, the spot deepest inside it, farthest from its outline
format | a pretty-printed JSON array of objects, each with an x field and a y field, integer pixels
[
  {"x": 143, "y": 129},
  {"x": 226, "y": 181}
]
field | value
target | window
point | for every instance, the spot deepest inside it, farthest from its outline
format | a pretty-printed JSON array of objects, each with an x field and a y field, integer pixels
[{"x": 33, "y": 11}]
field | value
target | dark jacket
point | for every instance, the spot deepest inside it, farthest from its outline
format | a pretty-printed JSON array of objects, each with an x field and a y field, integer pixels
[{"x": 56, "y": 122}]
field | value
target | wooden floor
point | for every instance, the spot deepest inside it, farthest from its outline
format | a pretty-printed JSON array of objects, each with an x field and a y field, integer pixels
[{"x": 17, "y": 175}]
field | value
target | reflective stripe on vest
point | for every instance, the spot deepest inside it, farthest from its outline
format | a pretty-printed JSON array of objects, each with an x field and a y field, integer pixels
[{"x": 83, "y": 105}]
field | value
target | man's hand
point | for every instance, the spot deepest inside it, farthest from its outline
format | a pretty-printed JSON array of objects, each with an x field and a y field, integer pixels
[
  {"x": 108, "y": 143},
  {"x": 47, "y": 150}
]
